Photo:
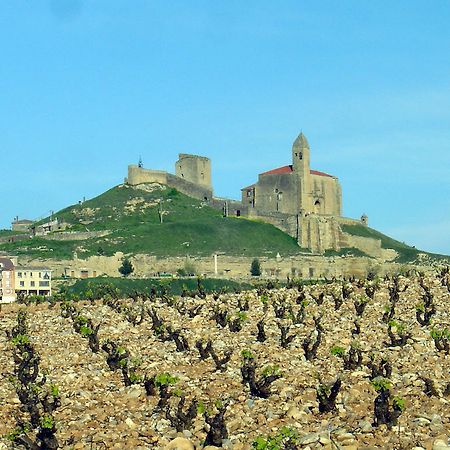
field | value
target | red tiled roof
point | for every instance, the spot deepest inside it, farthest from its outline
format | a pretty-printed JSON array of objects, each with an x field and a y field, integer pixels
[
  {"x": 288, "y": 169},
  {"x": 280, "y": 170},
  {"x": 249, "y": 187},
  {"x": 321, "y": 174}
]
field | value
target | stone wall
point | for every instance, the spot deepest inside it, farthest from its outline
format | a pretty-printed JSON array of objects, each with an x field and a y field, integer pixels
[
  {"x": 302, "y": 266},
  {"x": 278, "y": 193},
  {"x": 186, "y": 187},
  {"x": 326, "y": 195},
  {"x": 75, "y": 235},
  {"x": 288, "y": 223},
  {"x": 138, "y": 175}
]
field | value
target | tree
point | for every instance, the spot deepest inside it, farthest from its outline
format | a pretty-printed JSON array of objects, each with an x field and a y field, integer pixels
[
  {"x": 126, "y": 268},
  {"x": 255, "y": 268}
]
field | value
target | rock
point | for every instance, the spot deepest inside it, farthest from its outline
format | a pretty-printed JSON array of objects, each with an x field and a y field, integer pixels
[
  {"x": 440, "y": 444},
  {"x": 344, "y": 437},
  {"x": 130, "y": 423},
  {"x": 310, "y": 438},
  {"x": 180, "y": 443},
  {"x": 134, "y": 392},
  {"x": 325, "y": 440},
  {"x": 294, "y": 413}
]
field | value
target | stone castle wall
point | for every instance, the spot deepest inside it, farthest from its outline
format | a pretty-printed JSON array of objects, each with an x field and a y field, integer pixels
[
  {"x": 199, "y": 192},
  {"x": 139, "y": 175}
]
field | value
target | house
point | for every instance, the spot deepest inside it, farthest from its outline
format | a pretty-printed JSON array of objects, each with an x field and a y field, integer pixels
[
  {"x": 33, "y": 281},
  {"x": 22, "y": 225},
  {"x": 7, "y": 284}
]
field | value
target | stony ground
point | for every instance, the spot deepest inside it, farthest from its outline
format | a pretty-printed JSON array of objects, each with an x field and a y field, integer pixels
[{"x": 99, "y": 412}]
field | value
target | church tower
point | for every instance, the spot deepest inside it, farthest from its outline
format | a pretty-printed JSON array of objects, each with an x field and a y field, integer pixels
[
  {"x": 301, "y": 168},
  {"x": 300, "y": 155}
]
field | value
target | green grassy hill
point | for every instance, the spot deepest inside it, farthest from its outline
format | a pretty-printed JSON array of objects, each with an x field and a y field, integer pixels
[
  {"x": 406, "y": 253},
  {"x": 130, "y": 219},
  {"x": 131, "y": 215}
]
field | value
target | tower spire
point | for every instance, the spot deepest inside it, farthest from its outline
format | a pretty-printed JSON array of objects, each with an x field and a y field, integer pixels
[{"x": 301, "y": 142}]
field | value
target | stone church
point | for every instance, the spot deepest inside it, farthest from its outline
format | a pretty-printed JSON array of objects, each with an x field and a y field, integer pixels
[{"x": 295, "y": 189}]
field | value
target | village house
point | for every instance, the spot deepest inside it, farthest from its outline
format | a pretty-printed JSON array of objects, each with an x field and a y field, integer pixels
[
  {"x": 33, "y": 281},
  {"x": 7, "y": 284},
  {"x": 23, "y": 280}
]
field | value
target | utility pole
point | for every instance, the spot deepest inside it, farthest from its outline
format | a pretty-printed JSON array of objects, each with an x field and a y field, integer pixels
[{"x": 160, "y": 211}]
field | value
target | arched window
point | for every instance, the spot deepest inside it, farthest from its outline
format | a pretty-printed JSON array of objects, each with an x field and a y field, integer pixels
[{"x": 317, "y": 206}]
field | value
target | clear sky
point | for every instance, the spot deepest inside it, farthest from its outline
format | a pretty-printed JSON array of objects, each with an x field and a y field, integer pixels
[{"x": 88, "y": 86}]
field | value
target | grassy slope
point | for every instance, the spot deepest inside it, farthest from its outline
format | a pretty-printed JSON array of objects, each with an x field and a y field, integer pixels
[
  {"x": 405, "y": 252},
  {"x": 131, "y": 214}
]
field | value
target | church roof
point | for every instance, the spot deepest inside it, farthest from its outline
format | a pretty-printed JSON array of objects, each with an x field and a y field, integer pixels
[{"x": 288, "y": 169}]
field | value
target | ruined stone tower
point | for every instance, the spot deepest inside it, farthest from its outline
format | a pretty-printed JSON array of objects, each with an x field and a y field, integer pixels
[{"x": 193, "y": 168}]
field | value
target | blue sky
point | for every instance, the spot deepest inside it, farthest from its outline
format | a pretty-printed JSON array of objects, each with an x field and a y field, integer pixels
[{"x": 88, "y": 86}]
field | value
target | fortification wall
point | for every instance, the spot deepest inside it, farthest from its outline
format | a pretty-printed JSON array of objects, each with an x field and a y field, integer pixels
[
  {"x": 234, "y": 208},
  {"x": 186, "y": 187},
  {"x": 319, "y": 233},
  {"x": 74, "y": 235},
  {"x": 287, "y": 223},
  {"x": 304, "y": 266},
  {"x": 327, "y": 192},
  {"x": 138, "y": 175},
  {"x": 368, "y": 245}
]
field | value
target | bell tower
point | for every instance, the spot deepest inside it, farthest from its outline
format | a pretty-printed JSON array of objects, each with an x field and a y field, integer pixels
[
  {"x": 300, "y": 155},
  {"x": 300, "y": 168}
]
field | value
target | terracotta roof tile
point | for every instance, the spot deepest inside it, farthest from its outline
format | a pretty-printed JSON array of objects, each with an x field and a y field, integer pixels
[{"x": 288, "y": 169}]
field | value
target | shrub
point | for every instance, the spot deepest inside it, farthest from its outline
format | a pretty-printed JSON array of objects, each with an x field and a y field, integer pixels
[
  {"x": 255, "y": 268},
  {"x": 126, "y": 268}
]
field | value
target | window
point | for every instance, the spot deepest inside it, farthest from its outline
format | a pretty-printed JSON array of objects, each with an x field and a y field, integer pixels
[
  {"x": 19, "y": 274},
  {"x": 44, "y": 283},
  {"x": 32, "y": 283},
  {"x": 22, "y": 283}
]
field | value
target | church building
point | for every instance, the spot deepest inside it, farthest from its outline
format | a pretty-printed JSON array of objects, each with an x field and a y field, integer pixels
[{"x": 294, "y": 189}]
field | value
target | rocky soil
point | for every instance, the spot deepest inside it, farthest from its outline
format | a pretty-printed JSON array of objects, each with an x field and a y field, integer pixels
[{"x": 98, "y": 411}]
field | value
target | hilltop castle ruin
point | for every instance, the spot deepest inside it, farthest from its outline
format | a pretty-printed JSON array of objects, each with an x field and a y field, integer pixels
[{"x": 304, "y": 203}]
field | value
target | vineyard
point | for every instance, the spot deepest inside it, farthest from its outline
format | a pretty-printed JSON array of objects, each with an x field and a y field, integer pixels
[{"x": 353, "y": 364}]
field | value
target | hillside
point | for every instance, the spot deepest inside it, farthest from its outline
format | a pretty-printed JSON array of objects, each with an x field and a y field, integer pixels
[
  {"x": 406, "y": 253},
  {"x": 158, "y": 220},
  {"x": 131, "y": 218}
]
